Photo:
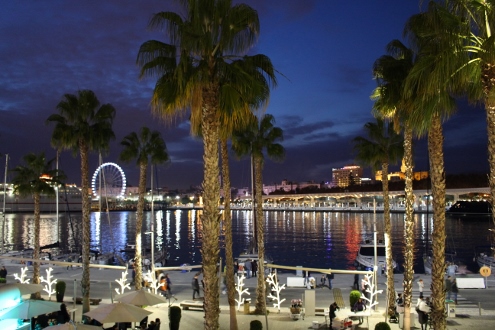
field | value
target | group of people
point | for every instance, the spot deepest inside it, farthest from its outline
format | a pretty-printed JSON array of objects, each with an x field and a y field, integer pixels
[
  {"x": 153, "y": 325},
  {"x": 250, "y": 267},
  {"x": 45, "y": 320}
]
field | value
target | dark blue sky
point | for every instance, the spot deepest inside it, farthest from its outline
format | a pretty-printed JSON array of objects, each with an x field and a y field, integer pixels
[{"x": 325, "y": 49}]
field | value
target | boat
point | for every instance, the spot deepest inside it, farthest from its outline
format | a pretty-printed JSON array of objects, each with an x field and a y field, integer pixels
[
  {"x": 243, "y": 257},
  {"x": 470, "y": 208},
  {"x": 131, "y": 248},
  {"x": 484, "y": 259},
  {"x": 365, "y": 257}
]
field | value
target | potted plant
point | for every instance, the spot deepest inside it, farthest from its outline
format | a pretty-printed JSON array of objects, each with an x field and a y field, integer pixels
[
  {"x": 60, "y": 290},
  {"x": 354, "y": 297},
  {"x": 174, "y": 317}
]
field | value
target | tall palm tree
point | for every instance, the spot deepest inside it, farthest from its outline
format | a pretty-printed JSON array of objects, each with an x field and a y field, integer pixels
[
  {"x": 256, "y": 139},
  {"x": 147, "y": 147},
  {"x": 429, "y": 82},
  {"x": 83, "y": 125},
  {"x": 382, "y": 148},
  {"x": 35, "y": 178},
  {"x": 190, "y": 68},
  {"x": 390, "y": 72}
]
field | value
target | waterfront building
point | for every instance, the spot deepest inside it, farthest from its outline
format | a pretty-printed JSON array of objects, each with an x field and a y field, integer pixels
[{"x": 347, "y": 175}]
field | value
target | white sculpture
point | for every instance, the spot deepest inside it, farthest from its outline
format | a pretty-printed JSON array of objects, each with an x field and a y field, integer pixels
[
  {"x": 239, "y": 288},
  {"x": 22, "y": 278},
  {"x": 49, "y": 282},
  {"x": 370, "y": 288},
  {"x": 272, "y": 281},
  {"x": 123, "y": 285}
]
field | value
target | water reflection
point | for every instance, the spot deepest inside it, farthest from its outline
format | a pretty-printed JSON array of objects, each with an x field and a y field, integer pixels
[{"x": 313, "y": 239}]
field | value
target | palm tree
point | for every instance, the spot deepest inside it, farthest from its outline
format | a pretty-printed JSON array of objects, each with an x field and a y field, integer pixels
[
  {"x": 383, "y": 147},
  {"x": 147, "y": 147},
  {"x": 261, "y": 135},
  {"x": 427, "y": 81},
  {"x": 35, "y": 178},
  {"x": 391, "y": 71},
  {"x": 82, "y": 125},
  {"x": 190, "y": 69}
]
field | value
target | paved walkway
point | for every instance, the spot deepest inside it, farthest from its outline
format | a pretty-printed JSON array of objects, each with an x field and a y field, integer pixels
[{"x": 476, "y": 308}]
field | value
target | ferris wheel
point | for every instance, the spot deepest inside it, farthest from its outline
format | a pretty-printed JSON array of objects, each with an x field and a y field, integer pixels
[{"x": 108, "y": 181}]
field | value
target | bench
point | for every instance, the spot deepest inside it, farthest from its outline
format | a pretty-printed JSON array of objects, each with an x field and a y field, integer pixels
[
  {"x": 93, "y": 301},
  {"x": 186, "y": 304}
]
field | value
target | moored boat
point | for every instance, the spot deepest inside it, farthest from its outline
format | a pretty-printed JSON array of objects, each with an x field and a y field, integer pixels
[
  {"x": 365, "y": 257},
  {"x": 470, "y": 208}
]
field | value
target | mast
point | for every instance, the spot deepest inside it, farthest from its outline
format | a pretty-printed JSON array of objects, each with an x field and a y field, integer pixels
[
  {"x": 4, "y": 197},
  {"x": 56, "y": 201}
]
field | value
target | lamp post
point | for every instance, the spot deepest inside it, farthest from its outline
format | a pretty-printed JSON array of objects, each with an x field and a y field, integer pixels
[{"x": 152, "y": 252}]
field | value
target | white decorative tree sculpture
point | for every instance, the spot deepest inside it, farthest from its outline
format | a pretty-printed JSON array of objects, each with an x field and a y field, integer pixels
[
  {"x": 239, "y": 288},
  {"x": 22, "y": 278},
  {"x": 371, "y": 301},
  {"x": 49, "y": 282},
  {"x": 123, "y": 283},
  {"x": 154, "y": 283},
  {"x": 272, "y": 281}
]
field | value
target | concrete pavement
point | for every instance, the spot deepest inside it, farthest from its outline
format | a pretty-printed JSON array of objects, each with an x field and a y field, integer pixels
[{"x": 476, "y": 307}]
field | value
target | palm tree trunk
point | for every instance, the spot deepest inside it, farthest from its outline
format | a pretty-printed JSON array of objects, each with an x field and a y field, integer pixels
[
  {"x": 86, "y": 210},
  {"x": 490, "y": 119},
  {"x": 211, "y": 217},
  {"x": 138, "y": 266},
  {"x": 388, "y": 240},
  {"x": 36, "y": 253},
  {"x": 227, "y": 218},
  {"x": 435, "y": 150},
  {"x": 260, "y": 288},
  {"x": 408, "y": 229}
]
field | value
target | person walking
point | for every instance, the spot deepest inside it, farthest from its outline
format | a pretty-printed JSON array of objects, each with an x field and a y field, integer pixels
[
  {"x": 448, "y": 287},
  {"x": 254, "y": 268},
  {"x": 355, "y": 285},
  {"x": 421, "y": 286},
  {"x": 455, "y": 290},
  {"x": 330, "y": 278},
  {"x": 195, "y": 286},
  {"x": 169, "y": 285},
  {"x": 248, "y": 267},
  {"x": 423, "y": 311}
]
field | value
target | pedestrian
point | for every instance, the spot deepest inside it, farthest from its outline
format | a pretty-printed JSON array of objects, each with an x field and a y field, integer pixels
[
  {"x": 421, "y": 286},
  {"x": 254, "y": 268},
  {"x": 323, "y": 280},
  {"x": 195, "y": 286},
  {"x": 330, "y": 278},
  {"x": 455, "y": 290},
  {"x": 423, "y": 311},
  {"x": 236, "y": 267},
  {"x": 169, "y": 285},
  {"x": 355, "y": 285},
  {"x": 3, "y": 273},
  {"x": 133, "y": 274},
  {"x": 451, "y": 269},
  {"x": 146, "y": 263},
  {"x": 364, "y": 287},
  {"x": 163, "y": 286},
  {"x": 333, "y": 308},
  {"x": 248, "y": 268},
  {"x": 448, "y": 287},
  {"x": 69, "y": 260}
]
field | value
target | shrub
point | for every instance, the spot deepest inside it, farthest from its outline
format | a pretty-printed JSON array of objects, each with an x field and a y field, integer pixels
[
  {"x": 3, "y": 280},
  {"x": 255, "y": 325},
  {"x": 382, "y": 326},
  {"x": 354, "y": 297},
  {"x": 60, "y": 291}
]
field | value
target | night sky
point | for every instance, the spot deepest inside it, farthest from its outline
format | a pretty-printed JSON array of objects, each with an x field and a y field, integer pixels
[{"x": 324, "y": 49}]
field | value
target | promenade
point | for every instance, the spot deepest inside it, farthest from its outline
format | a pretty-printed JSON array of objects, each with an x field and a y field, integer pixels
[{"x": 475, "y": 309}]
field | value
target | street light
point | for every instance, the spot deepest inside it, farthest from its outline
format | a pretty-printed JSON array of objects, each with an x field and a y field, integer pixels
[{"x": 152, "y": 252}]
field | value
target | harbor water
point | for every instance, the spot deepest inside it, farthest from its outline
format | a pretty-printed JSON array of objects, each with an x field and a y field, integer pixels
[{"x": 294, "y": 238}]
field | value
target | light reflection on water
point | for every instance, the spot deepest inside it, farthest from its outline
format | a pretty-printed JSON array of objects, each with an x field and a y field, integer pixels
[{"x": 312, "y": 239}]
